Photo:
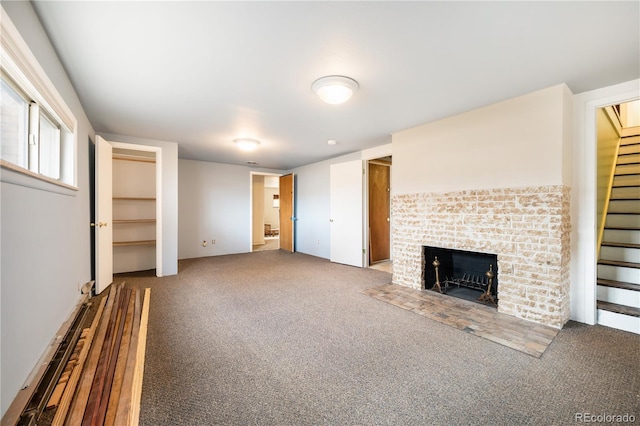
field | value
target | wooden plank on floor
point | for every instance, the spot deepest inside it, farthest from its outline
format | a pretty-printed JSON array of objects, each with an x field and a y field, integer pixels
[
  {"x": 139, "y": 372},
  {"x": 120, "y": 364},
  {"x": 107, "y": 380},
  {"x": 105, "y": 351},
  {"x": 84, "y": 388},
  {"x": 124, "y": 403},
  {"x": 70, "y": 390}
]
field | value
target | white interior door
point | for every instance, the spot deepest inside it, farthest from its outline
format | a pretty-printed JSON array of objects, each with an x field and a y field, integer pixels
[
  {"x": 104, "y": 212},
  {"x": 346, "y": 185}
]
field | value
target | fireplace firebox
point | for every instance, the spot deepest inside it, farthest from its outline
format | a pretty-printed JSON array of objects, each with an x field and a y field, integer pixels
[{"x": 464, "y": 274}]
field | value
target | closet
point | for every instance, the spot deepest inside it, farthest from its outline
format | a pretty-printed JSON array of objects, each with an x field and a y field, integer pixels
[{"x": 134, "y": 210}]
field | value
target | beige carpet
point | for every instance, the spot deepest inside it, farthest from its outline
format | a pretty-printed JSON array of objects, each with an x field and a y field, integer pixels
[{"x": 274, "y": 338}]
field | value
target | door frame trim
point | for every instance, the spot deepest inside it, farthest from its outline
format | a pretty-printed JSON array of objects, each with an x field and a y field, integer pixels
[
  {"x": 368, "y": 155},
  {"x": 367, "y": 212},
  {"x": 583, "y": 195},
  {"x": 251, "y": 175}
]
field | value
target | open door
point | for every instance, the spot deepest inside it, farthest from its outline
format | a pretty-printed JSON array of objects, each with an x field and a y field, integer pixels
[
  {"x": 346, "y": 213},
  {"x": 379, "y": 211},
  {"x": 287, "y": 214},
  {"x": 104, "y": 212}
]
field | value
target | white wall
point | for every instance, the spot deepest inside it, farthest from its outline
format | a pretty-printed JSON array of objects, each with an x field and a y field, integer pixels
[
  {"x": 215, "y": 203},
  {"x": 312, "y": 201},
  {"x": 312, "y": 206},
  {"x": 215, "y": 200},
  {"x": 520, "y": 142},
  {"x": 632, "y": 114},
  {"x": 271, "y": 214},
  {"x": 169, "y": 197},
  {"x": 45, "y": 238}
]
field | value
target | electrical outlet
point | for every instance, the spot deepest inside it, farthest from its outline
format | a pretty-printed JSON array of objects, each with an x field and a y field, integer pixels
[
  {"x": 204, "y": 243},
  {"x": 213, "y": 241},
  {"x": 318, "y": 242}
]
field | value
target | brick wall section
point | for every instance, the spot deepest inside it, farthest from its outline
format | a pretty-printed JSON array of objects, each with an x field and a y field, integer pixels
[{"x": 528, "y": 228}]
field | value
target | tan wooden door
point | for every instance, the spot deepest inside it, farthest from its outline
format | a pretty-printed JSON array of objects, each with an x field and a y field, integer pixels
[
  {"x": 287, "y": 214},
  {"x": 379, "y": 211}
]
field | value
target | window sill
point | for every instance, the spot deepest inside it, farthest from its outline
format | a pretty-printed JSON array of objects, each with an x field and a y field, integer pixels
[{"x": 19, "y": 176}]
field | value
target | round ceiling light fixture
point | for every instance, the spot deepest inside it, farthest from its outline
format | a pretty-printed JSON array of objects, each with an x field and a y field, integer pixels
[
  {"x": 335, "y": 89},
  {"x": 247, "y": 144}
]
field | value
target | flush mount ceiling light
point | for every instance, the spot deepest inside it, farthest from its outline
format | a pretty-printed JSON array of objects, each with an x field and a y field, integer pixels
[
  {"x": 246, "y": 144},
  {"x": 335, "y": 89}
]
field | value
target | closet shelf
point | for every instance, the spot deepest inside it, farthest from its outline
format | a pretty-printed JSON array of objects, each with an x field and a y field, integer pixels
[
  {"x": 116, "y": 221},
  {"x": 134, "y": 198},
  {"x": 133, "y": 243},
  {"x": 134, "y": 158}
]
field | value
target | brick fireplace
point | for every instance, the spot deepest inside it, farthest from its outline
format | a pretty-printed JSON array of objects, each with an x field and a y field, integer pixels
[{"x": 528, "y": 228}]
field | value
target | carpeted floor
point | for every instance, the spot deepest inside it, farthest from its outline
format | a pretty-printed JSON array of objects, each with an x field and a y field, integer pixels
[
  {"x": 270, "y": 243},
  {"x": 273, "y": 338}
]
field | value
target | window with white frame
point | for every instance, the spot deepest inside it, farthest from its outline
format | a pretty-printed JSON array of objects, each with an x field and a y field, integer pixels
[
  {"x": 37, "y": 129},
  {"x": 14, "y": 132}
]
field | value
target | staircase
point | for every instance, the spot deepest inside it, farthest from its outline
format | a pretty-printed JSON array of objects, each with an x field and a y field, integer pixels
[{"x": 619, "y": 264}]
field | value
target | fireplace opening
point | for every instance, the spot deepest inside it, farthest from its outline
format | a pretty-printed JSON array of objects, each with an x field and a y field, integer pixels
[{"x": 464, "y": 274}]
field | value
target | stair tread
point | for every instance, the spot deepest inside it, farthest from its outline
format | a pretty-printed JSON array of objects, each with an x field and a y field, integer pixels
[
  {"x": 618, "y": 284},
  {"x": 632, "y": 213},
  {"x": 620, "y": 309},
  {"x": 619, "y": 263},
  {"x": 623, "y": 228},
  {"x": 623, "y": 245}
]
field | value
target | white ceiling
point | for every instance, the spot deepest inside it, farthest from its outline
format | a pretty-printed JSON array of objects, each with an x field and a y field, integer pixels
[{"x": 203, "y": 73}]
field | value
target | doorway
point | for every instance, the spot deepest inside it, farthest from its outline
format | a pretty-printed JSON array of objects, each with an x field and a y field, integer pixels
[
  {"x": 379, "y": 210},
  {"x": 618, "y": 216},
  {"x": 132, "y": 226},
  {"x": 583, "y": 195},
  {"x": 265, "y": 212}
]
